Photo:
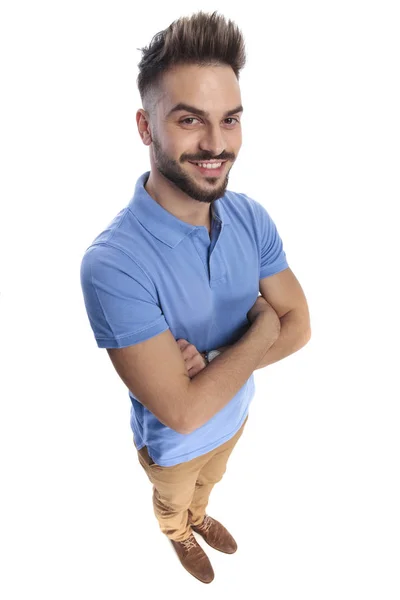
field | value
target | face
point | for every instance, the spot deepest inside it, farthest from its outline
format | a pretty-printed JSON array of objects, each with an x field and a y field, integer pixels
[{"x": 197, "y": 119}]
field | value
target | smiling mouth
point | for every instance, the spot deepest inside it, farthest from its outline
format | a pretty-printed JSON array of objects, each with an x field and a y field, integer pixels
[{"x": 213, "y": 167}]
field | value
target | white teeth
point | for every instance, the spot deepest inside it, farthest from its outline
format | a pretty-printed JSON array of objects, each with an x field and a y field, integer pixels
[{"x": 209, "y": 165}]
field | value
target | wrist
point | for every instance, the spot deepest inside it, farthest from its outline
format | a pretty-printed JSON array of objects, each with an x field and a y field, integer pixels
[
  {"x": 220, "y": 349},
  {"x": 211, "y": 354}
]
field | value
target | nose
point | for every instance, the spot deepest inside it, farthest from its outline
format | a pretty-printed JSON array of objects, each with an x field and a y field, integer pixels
[{"x": 213, "y": 141}]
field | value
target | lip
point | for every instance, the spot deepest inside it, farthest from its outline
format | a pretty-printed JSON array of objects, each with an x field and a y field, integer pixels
[{"x": 210, "y": 172}]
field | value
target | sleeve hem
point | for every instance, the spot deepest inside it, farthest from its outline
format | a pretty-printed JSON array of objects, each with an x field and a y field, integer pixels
[
  {"x": 133, "y": 338},
  {"x": 273, "y": 269}
]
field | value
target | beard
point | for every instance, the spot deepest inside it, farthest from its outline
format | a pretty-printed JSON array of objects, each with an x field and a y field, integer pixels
[{"x": 172, "y": 171}]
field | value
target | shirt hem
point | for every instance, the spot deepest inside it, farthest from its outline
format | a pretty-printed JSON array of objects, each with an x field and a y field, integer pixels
[{"x": 199, "y": 452}]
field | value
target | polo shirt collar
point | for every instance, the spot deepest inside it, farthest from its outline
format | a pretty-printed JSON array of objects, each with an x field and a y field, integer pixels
[{"x": 162, "y": 224}]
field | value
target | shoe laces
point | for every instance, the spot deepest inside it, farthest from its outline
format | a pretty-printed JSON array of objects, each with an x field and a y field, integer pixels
[
  {"x": 189, "y": 543},
  {"x": 205, "y": 526}
]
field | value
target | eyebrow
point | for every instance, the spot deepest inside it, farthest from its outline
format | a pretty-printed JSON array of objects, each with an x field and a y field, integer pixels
[{"x": 197, "y": 111}]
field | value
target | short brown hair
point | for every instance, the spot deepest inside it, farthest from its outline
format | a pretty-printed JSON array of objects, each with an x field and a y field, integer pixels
[{"x": 203, "y": 39}]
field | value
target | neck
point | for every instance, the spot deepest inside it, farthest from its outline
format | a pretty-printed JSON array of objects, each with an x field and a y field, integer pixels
[{"x": 176, "y": 202}]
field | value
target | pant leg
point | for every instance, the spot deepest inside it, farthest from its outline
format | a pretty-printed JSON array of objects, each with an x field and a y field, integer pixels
[
  {"x": 173, "y": 489},
  {"x": 212, "y": 472}
]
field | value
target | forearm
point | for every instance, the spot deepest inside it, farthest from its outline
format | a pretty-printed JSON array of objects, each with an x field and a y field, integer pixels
[
  {"x": 294, "y": 334},
  {"x": 213, "y": 387}
]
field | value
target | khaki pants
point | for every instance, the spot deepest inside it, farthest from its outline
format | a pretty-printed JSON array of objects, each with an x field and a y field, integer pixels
[{"x": 183, "y": 490}]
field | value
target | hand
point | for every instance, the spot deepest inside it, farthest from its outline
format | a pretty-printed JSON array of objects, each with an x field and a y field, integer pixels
[{"x": 194, "y": 360}]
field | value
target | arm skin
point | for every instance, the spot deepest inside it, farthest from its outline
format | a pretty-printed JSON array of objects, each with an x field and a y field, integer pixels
[
  {"x": 284, "y": 293},
  {"x": 293, "y": 336}
]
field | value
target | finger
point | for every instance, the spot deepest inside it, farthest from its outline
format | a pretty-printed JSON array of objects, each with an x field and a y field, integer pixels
[
  {"x": 182, "y": 343},
  {"x": 195, "y": 366},
  {"x": 188, "y": 350},
  {"x": 197, "y": 363}
]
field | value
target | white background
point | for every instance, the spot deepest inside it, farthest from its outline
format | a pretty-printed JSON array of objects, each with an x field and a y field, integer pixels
[{"x": 311, "y": 493}]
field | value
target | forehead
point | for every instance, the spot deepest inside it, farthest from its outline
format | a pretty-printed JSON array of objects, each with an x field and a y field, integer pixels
[{"x": 212, "y": 89}]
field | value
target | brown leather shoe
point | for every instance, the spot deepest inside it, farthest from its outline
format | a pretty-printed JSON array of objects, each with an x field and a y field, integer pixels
[
  {"x": 194, "y": 559},
  {"x": 216, "y": 535}
]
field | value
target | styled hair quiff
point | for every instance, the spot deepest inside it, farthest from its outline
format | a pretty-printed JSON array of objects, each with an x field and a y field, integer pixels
[{"x": 202, "y": 39}]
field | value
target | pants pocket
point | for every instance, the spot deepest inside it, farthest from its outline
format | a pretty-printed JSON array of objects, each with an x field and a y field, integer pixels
[{"x": 146, "y": 457}]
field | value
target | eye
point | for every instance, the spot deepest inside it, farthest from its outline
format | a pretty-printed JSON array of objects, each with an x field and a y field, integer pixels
[
  {"x": 232, "y": 119},
  {"x": 185, "y": 121}
]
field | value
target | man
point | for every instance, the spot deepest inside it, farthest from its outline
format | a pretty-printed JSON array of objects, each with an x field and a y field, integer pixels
[{"x": 173, "y": 282}]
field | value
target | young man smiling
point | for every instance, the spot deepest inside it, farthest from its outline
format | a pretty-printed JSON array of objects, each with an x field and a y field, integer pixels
[{"x": 173, "y": 282}]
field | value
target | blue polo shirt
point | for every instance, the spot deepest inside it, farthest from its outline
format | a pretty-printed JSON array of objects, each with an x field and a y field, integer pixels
[{"x": 149, "y": 271}]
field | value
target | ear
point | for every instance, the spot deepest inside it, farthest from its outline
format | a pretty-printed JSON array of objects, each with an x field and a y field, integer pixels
[{"x": 143, "y": 124}]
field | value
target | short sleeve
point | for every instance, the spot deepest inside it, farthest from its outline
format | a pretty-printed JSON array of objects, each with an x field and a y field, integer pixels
[
  {"x": 120, "y": 299},
  {"x": 272, "y": 256}
]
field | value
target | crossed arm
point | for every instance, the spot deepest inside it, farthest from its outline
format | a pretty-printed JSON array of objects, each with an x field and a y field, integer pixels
[
  {"x": 284, "y": 293},
  {"x": 183, "y": 404}
]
